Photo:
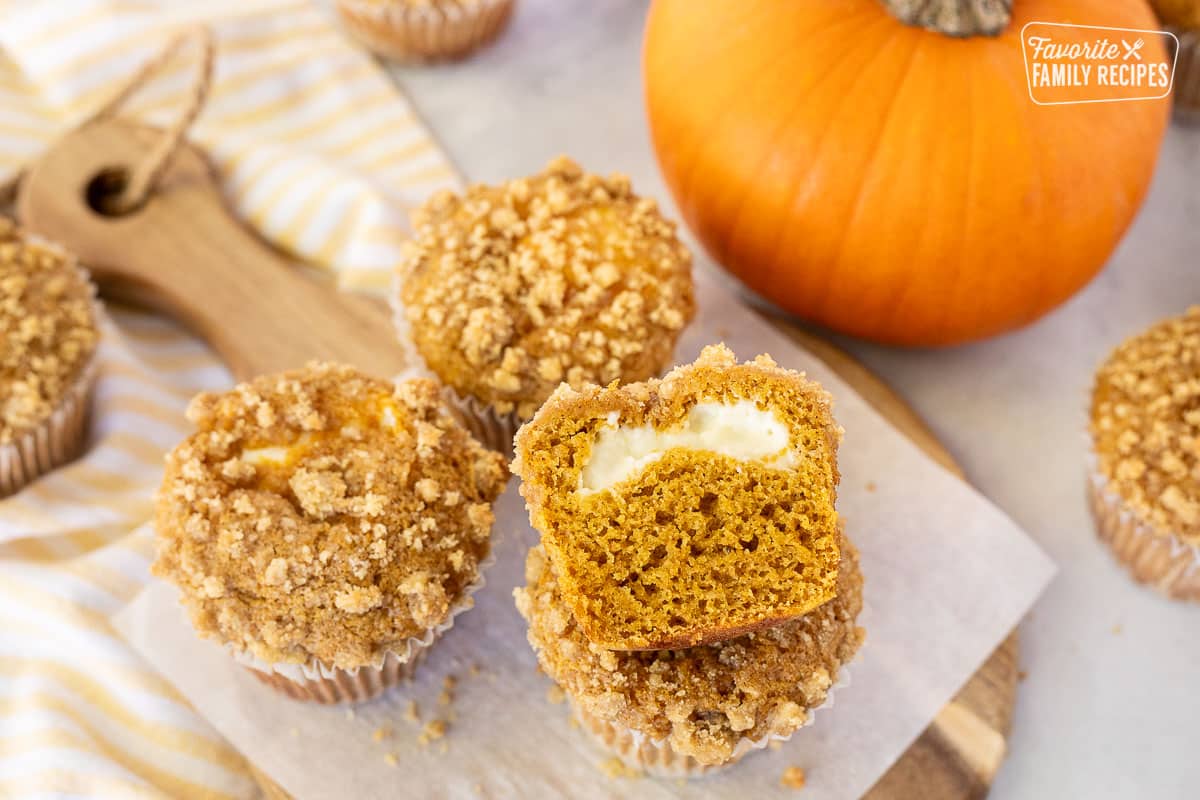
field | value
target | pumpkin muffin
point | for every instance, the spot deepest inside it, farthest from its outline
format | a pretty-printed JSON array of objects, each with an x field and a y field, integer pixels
[
  {"x": 689, "y": 711},
  {"x": 47, "y": 357},
  {"x": 1145, "y": 429},
  {"x": 424, "y": 30},
  {"x": 690, "y": 509},
  {"x": 326, "y": 526},
  {"x": 507, "y": 291}
]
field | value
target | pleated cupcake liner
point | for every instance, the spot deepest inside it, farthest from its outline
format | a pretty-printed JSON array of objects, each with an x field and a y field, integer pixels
[
  {"x": 52, "y": 443},
  {"x": 1159, "y": 561},
  {"x": 60, "y": 437},
  {"x": 493, "y": 429},
  {"x": 317, "y": 682},
  {"x": 408, "y": 32}
]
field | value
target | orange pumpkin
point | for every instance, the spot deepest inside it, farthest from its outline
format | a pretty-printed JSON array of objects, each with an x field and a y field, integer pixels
[{"x": 889, "y": 181}]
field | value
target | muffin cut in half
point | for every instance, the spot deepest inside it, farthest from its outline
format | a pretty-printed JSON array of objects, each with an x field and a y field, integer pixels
[{"x": 688, "y": 510}]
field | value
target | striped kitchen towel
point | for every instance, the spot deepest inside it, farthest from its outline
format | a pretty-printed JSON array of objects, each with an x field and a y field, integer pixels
[
  {"x": 315, "y": 146},
  {"x": 319, "y": 152}
]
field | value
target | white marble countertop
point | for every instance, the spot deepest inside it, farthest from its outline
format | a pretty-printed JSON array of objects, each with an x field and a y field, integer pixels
[{"x": 1110, "y": 707}]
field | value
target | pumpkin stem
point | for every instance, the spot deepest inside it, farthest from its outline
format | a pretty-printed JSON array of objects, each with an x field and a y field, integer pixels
[{"x": 954, "y": 17}]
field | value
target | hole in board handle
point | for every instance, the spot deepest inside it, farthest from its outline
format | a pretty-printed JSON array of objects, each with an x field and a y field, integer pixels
[{"x": 105, "y": 191}]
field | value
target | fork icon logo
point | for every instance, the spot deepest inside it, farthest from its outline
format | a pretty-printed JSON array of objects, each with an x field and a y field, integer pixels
[{"x": 1133, "y": 49}]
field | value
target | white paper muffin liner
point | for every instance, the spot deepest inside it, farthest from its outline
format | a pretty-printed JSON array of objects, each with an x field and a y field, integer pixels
[
  {"x": 1162, "y": 562},
  {"x": 406, "y": 31},
  {"x": 60, "y": 437},
  {"x": 493, "y": 429},
  {"x": 317, "y": 682}
]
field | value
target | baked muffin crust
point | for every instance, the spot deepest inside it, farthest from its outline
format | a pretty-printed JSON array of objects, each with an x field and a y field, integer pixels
[
  {"x": 47, "y": 319},
  {"x": 564, "y": 276},
  {"x": 324, "y": 514},
  {"x": 1145, "y": 425},
  {"x": 701, "y": 700}
]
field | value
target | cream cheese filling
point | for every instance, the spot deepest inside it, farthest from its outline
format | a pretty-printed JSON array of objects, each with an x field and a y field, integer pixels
[
  {"x": 278, "y": 455},
  {"x": 739, "y": 430}
]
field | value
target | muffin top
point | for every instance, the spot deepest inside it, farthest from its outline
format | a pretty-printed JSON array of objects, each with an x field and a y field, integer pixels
[
  {"x": 47, "y": 318},
  {"x": 565, "y": 276},
  {"x": 1178, "y": 13},
  {"x": 1145, "y": 425},
  {"x": 702, "y": 699},
  {"x": 324, "y": 514}
]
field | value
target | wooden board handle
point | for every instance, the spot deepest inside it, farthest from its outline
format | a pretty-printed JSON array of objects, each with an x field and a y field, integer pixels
[{"x": 183, "y": 253}]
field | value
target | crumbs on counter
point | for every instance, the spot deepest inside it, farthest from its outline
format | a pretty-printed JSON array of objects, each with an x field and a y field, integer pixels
[
  {"x": 871, "y": 486},
  {"x": 433, "y": 730},
  {"x": 616, "y": 768},
  {"x": 381, "y": 733},
  {"x": 792, "y": 778},
  {"x": 391, "y": 760},
  {"x": 555, "y": 694},
  {"x": 411, "y": 713}
]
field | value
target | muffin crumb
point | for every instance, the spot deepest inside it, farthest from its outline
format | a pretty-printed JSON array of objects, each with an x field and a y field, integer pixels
[
  {"x": 433, "y": 730},
  {"x": 792, "y": 778},
  {"x": 615, "y": 768}
]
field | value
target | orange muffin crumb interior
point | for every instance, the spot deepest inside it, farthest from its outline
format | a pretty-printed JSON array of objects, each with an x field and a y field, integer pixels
[{"x": 698, "y": 546}]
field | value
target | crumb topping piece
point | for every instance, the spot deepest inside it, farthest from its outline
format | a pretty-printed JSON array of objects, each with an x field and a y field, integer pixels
[
  {"x": 792, "y": 778},
  {"x": 702, "y": 700},
  {"x": 564, "y": 276},
  {"x": 1145, "y": 425},
  {"x": 697, "y": 545},
  {"x": 307, "y": 517},
  {"x": 47, "y": 319}
]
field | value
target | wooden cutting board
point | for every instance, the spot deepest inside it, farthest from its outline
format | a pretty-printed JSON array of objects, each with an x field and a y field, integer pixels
[
  {"x": 958, "y": 755},
  {"x": 183, "y": 254}
]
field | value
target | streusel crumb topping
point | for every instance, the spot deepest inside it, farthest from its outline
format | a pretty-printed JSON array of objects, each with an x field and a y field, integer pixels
[
  {"x": 1146, "y": 425},
  {"x": 324, "y": 514},
  {"x": 702, "y": 700},
  {"x": 48, "y": 322},
  {"x": 564, "y": 276}
]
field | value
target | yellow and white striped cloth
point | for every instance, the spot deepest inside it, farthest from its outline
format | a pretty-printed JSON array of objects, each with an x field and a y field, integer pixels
[{"x": 322, "y": 155}]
